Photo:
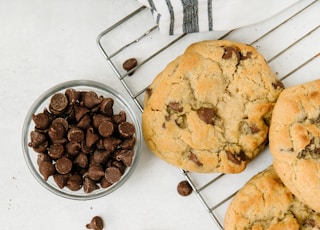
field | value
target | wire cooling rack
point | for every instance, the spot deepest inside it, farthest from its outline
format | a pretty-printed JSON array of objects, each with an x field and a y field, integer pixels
[{"x": 290, "y": 42}]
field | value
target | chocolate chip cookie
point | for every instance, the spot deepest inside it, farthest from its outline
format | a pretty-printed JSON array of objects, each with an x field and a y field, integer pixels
[
  {"x": 209, "y": 109},
  {"x": 295, "y": 141},
  {"x": 264, "y": 202}
]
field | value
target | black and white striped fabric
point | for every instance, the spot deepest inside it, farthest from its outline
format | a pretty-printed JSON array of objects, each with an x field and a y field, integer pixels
[{"x": 189, "y": 16}]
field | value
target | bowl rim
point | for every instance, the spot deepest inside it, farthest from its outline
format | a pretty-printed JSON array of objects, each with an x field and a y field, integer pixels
[{"x": 28, "y": 121}]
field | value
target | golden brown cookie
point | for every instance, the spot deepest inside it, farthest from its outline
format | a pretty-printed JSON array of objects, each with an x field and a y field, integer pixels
[
  {"x": 265, "y": 203},
  {"x": 295, "y": 141},
  {"x": 209, "y": 109}
]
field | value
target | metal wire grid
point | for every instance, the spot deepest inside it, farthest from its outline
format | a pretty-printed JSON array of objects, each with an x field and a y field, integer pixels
[{"x": 125, "y": 39}]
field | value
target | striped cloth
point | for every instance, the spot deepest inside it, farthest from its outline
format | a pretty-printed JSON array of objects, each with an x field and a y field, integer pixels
[{"x": 189, "y": 16}]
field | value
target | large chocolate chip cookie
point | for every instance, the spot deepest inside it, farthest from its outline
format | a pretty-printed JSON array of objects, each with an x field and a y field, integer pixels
[
  {"x": 209, "y": 109},
  {"x": 295, "y": 141},
  {"x": 265, "y": 203}
]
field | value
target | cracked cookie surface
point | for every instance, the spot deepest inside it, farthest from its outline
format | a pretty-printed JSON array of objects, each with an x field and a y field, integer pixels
[
  {"x": 265, "y": 203},
  {"x": 209, "y": 109},
  {"x": 295, "y": 141}
]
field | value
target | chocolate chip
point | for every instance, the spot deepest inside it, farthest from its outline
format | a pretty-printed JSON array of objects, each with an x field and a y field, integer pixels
[
  {"x": 58, "y": 103},
  {"x": 113, "y": 174},
  {"x": 181, "y": 121},
  {"x": 61, "y": 180},
  {"x": 126, "y": 129},
  {"x": 55, "y": 151},
  {"x": 125, "y": 156},
  {"x": 42, "y": 157},
  {"x": 184, "y": 188},
  {"x": 73, "y": 148},
  {"x": 46, "y": 169},
  {"x": 80, "y": 111},
  {"x": 89, "y": 185},
  {"x": 120, "y": 117},
  {"x": 101, "y": 156},
  {"x": 111, "y": 143},
  {"x": 96, "y": 223},
  {"x": 149, "y": 92},
  {"x": 91, "y": 137},
  {"x": 193, "y": 157},
  {"x": 63, "y": 165},
  {"x": 37, "y": 138},
  {"x": 72, "y": 95},
  {"x": 41, "y": 147},
  {"x": 106, "y": 128},
  {"x": 106, "y": 106},
  {"x": 129, "y": 64},
  {"x": 95, "y": 172},
  {"x": 61, "y": 121},
  {"x": 236, "y": 158},
  {"x": 81, "y": 160},
  {"x": 74, "y": 183},
  {"x": 90, "y": 99},
  {"x": 75, "y": 134},
  {"x": 104, "y": 183},
  {"x": 278, "y": 84},
  {"x": 207, "y": 115},
  {"x": 247, "y": 56},
  {"x": 228, "y": 51},
  {"x": 128, "y": 143},
  {"x": 84, "y": 122},
  {"x": 41, "y": 120},
  {"x": 175, "y": 106},
  {"x": 254, "y": 129},
  {"x": 56, "y": 132}
]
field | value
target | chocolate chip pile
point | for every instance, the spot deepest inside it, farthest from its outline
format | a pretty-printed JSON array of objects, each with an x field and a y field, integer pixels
[{"x": 81, "y": 142}]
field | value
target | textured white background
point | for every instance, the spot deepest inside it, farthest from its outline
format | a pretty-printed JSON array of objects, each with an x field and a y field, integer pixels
[{"x": 43, "y": 43}]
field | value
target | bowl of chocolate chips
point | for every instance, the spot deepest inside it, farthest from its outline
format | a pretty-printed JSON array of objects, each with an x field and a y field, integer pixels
[{"x": 81, "y": 139}]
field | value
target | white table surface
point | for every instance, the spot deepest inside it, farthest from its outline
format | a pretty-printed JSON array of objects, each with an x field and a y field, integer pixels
[{"x": 43, "y": 43}]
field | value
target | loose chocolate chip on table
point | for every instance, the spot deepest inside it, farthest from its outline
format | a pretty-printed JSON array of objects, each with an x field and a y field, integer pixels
[
  {"x": 184, "y": 188},
  {"x": 130, "y": 64},
  {"x": 96, "y": 223}
]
